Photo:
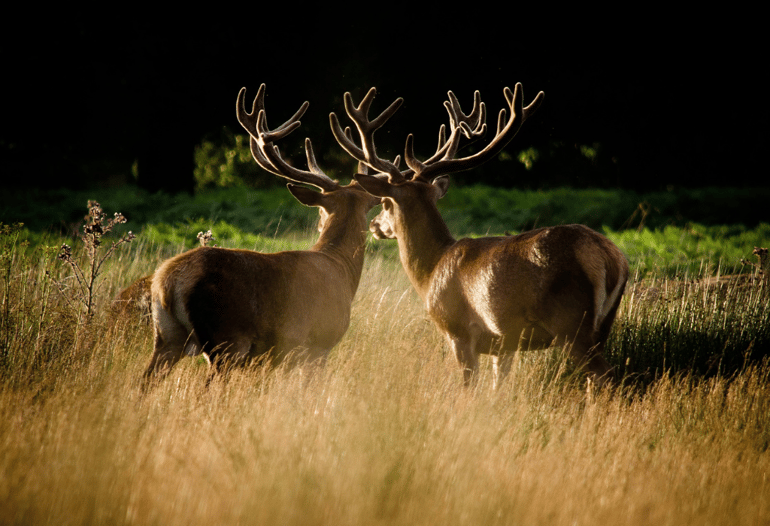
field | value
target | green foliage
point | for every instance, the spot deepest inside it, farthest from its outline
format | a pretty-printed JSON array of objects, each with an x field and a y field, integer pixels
[
  {"x": 481, "y": 209},
  {"x": 272, "y": 211},
  {"x": 693, "y": 250},
  {"x": 648, "y": 228},
  {"x": 528, "y": 157},
  {"x": 468, "y": 210},
  {"x": 225, "y": 234},
  {"x": 669, "y": 252},
  {"x": 228, "y": 163}
]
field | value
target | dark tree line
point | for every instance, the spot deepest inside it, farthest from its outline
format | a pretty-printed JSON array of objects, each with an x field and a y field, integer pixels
[{"x": 86, "y": 103}]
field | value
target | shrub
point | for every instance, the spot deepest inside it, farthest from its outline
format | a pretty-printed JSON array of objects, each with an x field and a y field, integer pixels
[{"x": 227, "y": 163}]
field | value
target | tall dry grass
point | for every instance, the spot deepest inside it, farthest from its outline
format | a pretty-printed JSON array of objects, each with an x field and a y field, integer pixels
[{"x": 384, "y": 434}]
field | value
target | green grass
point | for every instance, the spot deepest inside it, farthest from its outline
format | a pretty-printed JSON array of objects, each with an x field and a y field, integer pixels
[
  {"x": 693, "y": 250},
  {"x": 468, "y": 209}
]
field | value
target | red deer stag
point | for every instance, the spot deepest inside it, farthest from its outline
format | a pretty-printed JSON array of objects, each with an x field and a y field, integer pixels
[
  {"x": 236, "y": 305},
  {"x": 494, "y": 295}
]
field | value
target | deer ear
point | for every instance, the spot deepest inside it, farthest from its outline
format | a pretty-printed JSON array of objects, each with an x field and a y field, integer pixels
[
  {"x": 374, "y": 185},
  {"x": 442, "y": 183},
  {"x": 306, "y": 196}
]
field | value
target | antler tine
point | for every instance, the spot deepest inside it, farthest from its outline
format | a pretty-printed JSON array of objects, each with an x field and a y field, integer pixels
[
  {"x": 472, "y": 126},
  {"x": 311, "y": 162},
  {"x": 362, "y": 167},
  {"x": 441, "y": 137},
  {"x": 249, "y": 120},
  {"x": 447, "y": 148},
  {"x": 266, "y": 154},
  {"x": 510, "y": 97},
  {"x": 501, "y": 118},
  {"x": 475, "y": 120},
  {"x": 366, "y": 154},
  {"x": 506, "y": 130}
]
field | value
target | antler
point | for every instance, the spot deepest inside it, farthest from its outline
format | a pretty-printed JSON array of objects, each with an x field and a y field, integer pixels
[
  {"x": 266, "y": 154},
  {"x": 367, "y": 153},
  {"x": 472, "y": 127}
]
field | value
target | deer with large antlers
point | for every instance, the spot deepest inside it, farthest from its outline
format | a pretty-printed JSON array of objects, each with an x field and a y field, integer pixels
[
  {"x": 492, "y": 295},
  {"x": 237, "y": 305}
]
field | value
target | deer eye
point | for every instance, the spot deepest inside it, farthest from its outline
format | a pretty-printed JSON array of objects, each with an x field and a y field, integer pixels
[{"x": 387, "y": 204}]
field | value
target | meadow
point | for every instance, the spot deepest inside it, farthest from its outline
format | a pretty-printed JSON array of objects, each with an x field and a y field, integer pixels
[{"x": 385, "y": 433}]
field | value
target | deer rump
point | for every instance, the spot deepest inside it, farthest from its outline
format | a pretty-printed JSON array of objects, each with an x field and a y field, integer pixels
[
  {"x": 244, "y": 304},
  {"x": 528, "y": 291}
]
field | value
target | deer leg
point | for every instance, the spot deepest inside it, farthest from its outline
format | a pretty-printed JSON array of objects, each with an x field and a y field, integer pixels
[
  {"x": 585, "y": 342},
  {"x": 172, "y": 341},
  {"x": 501, "y": 366},
  {"x": 602, "y": 369},
  {"x": 165, "y": 356},
  {"x": 465, "y": 352},
  {"x": 588, "y": 355},
  {"x": 224, "y": 357}
]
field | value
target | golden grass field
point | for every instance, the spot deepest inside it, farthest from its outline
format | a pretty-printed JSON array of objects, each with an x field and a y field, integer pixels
[{"x": 384, "y": 434}]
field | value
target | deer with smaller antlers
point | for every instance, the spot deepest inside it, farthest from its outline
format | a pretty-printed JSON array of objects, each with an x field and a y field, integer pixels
[
  {"x": 492, "y": 295},
  {"x": 234, "y": 306}
]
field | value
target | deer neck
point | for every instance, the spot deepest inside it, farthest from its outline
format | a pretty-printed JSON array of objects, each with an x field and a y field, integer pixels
[
  {"x": 343, "y": 241},
  {"x": 422, "y": 245}
]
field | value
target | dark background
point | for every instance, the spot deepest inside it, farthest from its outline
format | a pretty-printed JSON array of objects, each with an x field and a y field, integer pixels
[{"x": 664, "y": 102}]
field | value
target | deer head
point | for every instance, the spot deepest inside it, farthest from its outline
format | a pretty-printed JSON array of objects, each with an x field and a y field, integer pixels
[{"x": 425, "y": 182}]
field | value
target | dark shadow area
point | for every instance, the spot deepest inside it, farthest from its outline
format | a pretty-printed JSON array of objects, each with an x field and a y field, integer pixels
[{"x": 98, "y": 101}]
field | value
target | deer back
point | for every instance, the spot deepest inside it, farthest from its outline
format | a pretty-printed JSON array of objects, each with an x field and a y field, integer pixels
[
  {"x": 506, "y": 283},
  {"x": 223, "y": 294}
]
